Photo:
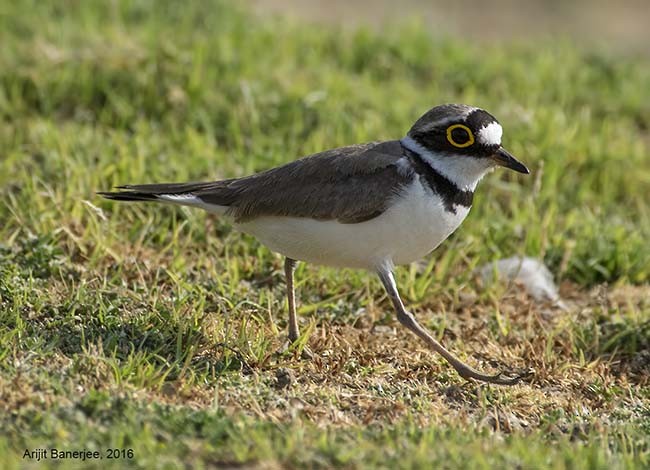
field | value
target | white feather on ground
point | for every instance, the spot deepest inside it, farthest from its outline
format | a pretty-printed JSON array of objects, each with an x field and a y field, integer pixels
[{"x": 532, "y": 273}]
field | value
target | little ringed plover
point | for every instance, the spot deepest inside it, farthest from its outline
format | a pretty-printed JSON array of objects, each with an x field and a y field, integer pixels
[{"x": 369, "y": 206}]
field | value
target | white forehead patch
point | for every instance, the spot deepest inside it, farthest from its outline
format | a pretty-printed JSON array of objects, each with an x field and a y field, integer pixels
[{"x": 491, "y": 134}]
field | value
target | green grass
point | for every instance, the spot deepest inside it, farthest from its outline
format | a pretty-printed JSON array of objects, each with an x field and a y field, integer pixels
[
  {"x": 212, "y": 438},
  {"x": 158, "y": 329}
]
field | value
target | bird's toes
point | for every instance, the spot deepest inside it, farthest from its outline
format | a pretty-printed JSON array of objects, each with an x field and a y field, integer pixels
[
  {"x": 294, "y": 348},
  {"x": 306, "y": 353},
  {"x": 512, "y": 377}
]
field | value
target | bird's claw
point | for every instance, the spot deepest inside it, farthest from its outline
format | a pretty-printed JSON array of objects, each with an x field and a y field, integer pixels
[
  {"x": 508, "y": 378},
  {"x": 502, "y": 378}
]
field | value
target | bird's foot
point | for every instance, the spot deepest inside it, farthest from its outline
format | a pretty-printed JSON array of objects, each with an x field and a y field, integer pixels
[
  {"x": 508, "y": 377},
  {"x": 296, "y": 348}
]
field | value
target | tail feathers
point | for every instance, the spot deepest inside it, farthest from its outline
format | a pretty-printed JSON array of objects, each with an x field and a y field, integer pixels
[
  {"x": 171, "y": 188},
  {"x": 184, "y": 194},
  {"x": 129, "y": 196},
  {"x": 167, "y": 192}
]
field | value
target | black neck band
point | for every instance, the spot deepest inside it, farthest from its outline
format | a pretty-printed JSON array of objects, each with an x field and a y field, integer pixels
[{"x": 450, "y": 193}]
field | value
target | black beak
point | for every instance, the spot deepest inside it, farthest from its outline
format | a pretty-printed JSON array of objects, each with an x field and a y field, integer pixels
[{"x": 504, "y": 158}]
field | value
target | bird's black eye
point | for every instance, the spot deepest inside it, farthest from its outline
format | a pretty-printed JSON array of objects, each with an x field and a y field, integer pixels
[{"x": 459, "y": 135}]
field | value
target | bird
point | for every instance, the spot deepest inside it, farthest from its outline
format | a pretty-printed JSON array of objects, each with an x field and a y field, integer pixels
[{"x": 369, "y": 206}]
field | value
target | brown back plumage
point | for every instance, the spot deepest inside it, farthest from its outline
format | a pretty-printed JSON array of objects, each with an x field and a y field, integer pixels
[{"x": 350, "y": 184}]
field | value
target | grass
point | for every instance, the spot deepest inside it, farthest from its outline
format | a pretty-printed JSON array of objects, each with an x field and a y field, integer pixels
[{"x": 160, "y": 329}]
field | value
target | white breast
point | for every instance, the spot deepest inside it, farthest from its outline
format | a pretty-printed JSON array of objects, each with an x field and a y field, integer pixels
[{"x": 414, "y": 225}]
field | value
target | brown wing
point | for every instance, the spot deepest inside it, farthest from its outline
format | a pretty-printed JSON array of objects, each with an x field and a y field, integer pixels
[{"x": 350, "y": 184}]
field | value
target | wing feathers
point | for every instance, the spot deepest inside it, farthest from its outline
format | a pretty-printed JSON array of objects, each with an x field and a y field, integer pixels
[{"x": 350, "y": 184}]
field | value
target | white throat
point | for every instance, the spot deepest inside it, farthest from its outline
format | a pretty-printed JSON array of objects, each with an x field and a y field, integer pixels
[{"x": 465, "y": 172}]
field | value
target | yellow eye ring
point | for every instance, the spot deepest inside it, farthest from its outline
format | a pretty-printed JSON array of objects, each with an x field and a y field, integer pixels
[{"x": 451, "y": 140}]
